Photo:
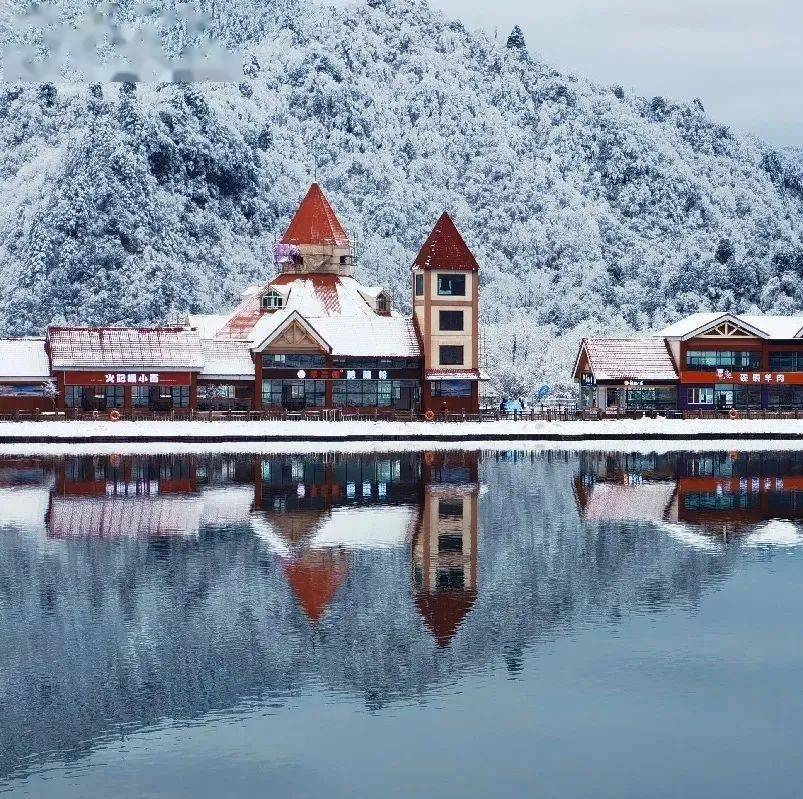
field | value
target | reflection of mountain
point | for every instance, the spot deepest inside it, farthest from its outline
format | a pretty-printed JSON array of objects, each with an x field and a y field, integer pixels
[
  {"x": 720, "y": 494},
  {"x": 392, "y": 578}
]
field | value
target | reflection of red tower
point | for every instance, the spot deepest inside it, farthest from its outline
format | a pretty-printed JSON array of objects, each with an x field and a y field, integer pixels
[
  {"x": 445, "y": 546},
  {"x": 315, "y": 578}
]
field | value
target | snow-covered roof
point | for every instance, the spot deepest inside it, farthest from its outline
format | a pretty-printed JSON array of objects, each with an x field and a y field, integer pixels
[
  {"x": 208, "y": 325},
  {"x": 628, "y": 359},
  {"x": 124, "y": 517},
  {"x": 764, "y": 326},
  {"x": 686, "y": 325},
  {"x": 362, "y": 336},
  {"x": 391, "y": 336},
  {"x": 227, "y": 359},
  {"x": 619, "y": 502},
  {"x": 776, "y": 327},
  {"x": 326, "y": 295},
  {"x": 125, "y": 348},
  {"x": 23, "y": 359},
  {"x": 377, "y": 527}
]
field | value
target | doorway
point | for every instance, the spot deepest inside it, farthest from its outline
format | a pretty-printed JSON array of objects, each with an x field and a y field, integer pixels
[{"x": 293, "y": 396}]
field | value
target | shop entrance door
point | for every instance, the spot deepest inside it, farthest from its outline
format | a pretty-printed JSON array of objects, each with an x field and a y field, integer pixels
[
  {"x": 405, "y": 400},
  {"x": 293, "y": 396}
]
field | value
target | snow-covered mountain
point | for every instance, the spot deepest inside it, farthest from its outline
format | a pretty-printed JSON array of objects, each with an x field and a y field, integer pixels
[{"x": 590, "y": 209}]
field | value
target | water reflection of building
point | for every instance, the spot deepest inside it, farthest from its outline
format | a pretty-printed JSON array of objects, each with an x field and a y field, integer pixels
[
  {"x": 312, "y": 512},
  {"x": 445, "y": 544},
  {"x": 313, "y": 509},
  {"x": 140, "y": 495},
  {"x": 720, "y": 493}
]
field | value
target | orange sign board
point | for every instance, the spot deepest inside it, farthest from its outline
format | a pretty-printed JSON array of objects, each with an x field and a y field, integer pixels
[{"x": 744, "y": 378}]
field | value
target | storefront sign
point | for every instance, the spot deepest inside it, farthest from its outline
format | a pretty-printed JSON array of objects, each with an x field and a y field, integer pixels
[
  {"x": 634, "y": 382},
  {"x": 744, "y": 378},
  {"x": 127, "y": 378}
]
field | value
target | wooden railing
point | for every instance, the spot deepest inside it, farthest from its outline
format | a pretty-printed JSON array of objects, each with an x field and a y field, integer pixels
[{"x": 545, "y": 414}]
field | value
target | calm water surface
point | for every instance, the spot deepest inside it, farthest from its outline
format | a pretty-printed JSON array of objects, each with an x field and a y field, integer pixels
[{"x": 416, "y": 624}]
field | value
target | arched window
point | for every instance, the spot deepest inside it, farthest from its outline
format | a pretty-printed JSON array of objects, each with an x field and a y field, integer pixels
[{"x": 272, "y": 301}]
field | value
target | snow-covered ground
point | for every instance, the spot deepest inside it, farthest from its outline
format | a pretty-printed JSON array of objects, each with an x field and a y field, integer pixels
[{"x": 310, "y": 432}]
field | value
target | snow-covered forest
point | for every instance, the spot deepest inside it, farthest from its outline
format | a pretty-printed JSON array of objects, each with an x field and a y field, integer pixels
[{"x": 590, "y": 209}]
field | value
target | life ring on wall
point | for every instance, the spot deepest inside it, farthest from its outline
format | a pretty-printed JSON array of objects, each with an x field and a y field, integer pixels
[
  {"x": 430, "y": 416},
  {"x": 114, "y": 415},
  {"x": 733, "y": 413}
]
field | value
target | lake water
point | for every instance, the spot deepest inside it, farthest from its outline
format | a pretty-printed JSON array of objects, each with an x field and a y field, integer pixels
[{"x": 450, "y": 624}]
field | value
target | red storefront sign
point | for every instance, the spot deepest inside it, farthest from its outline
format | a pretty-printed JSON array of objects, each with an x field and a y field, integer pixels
[
  {"x": 127, "y": 378},
  {"x": 744, "y": 378}
]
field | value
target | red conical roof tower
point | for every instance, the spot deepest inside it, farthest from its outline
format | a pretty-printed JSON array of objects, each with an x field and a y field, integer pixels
[
  {"x": 316, "y": 223},
  {"x": 315, "y": 579},
  {"x": 446, "y": 249}
]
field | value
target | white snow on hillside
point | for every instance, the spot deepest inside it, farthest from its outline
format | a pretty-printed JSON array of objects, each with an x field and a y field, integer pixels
[{"x": 590, "y": 210}]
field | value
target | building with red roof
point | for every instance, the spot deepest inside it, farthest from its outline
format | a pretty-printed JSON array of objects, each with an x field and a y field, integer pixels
[{"x": 312, "y": 337}]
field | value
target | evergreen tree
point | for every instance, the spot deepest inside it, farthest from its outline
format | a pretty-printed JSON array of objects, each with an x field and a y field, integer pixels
[{"x": 516, "y": 40}]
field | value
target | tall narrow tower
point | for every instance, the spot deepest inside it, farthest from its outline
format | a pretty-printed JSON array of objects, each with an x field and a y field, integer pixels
[
  {"x": 446, "y": 313},
  {"x": 315, "y": 242}
]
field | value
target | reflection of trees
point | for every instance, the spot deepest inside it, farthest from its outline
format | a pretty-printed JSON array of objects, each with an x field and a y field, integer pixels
[{"x": 101, "y": 636}]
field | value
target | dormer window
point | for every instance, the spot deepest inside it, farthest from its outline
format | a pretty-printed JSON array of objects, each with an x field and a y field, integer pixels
[
  {"x": 383, "y": 303},
  {"x": 272, "y": 301}
]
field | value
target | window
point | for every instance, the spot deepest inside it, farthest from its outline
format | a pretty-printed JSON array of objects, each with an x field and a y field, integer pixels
[
  {"x": 450, "y": 355},
  {"x": 450, "y": 510},
  {"x": 22, "y": 390},
  {"x": 300, "y": 360},
  {"x": 180, "y": 396},
  {"x": 786, "y": 361},
  {"x": 657, "y": 398},
  {"x": 450, "y": 542},
  {"x": 115, "y": 396},
  {"x": 452, "y": 285},
  {"x": 309, "y": 393},
  {"x": 786, "y": 397},
  {"x": 216, "y": 391},
  {"x": 140, "y": 396},
  {"x": 345, "y": 260},
  {"x": 720, "y": 502},
  {"x": 711, "y": 360},
  {"x": 94, "y": 398},
  {"x": 382, "y": 303},
  {"x": 419, "y": 285},
  {"x": 451, "y": 388},
  {"x": 746, "y": 397},
  {"x": 272, "y": 301},
  {"x": 700, "y": 396},
  {"x": 451, "y": 320}
]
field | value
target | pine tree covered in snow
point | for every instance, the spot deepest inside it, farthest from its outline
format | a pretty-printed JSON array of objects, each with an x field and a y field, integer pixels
[
  {"x": 516, "y": 40},
  {"x": 590, "y": 209}
]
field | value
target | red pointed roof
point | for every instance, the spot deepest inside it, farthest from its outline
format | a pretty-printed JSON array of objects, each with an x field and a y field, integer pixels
[
  {"x": 446, "y": 249},
  {"x": 444, "y": 612},
  {"x": 315, "y": 222},
  {"x": 315, "y": 579}
]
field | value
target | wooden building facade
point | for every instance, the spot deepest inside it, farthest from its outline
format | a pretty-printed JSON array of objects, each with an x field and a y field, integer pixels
[{"x": 706, "y": 361}]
